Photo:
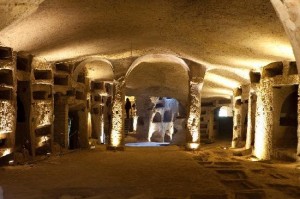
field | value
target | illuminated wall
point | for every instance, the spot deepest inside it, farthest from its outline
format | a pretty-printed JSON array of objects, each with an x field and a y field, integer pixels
[
  {"x": 117, "y": 134},
  {"x": 274, "y": 74},
  {"x": 7, "y": 119},
  {"x": 193, "y": 122},
  {"x": 264, "y": 121},
  {"x": 43, "y": 111}
]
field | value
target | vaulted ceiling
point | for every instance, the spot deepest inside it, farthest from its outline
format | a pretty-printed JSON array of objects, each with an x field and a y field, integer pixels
[{"x": 229, "y": 37}]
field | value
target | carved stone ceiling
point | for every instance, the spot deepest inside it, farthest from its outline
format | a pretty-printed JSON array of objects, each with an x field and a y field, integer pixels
[{"x": 230, "y": 37}]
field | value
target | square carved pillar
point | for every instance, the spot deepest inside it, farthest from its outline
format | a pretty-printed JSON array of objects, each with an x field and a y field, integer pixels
[
  {"x": 251, "y": 120},
  {"x": 116, "y": 137},
  {"x": 193, "y": 123},
  {"x": 264, "y": 121}
]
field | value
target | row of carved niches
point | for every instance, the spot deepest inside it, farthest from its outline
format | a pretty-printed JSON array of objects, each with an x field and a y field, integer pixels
[
  {"x": 102, "y": 88},
  {"x": 6, "y": 54},
  {"x": 61, "y": 80},
  {"x": 6, "y": 78},
  {"x": 42, "y": 92},
  {"x": 63, "y": 68}
]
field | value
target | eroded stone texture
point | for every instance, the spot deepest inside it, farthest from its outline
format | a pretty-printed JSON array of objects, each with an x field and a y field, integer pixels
[
  {"x": 264, "y": 121},
  {"x": 43, "y": 112},
  {"x": 117, "y": 134},
  {"x": 7, "y": 119},
  {"x": 251, "y": 120},
  {"x": 193, "y": 122}
]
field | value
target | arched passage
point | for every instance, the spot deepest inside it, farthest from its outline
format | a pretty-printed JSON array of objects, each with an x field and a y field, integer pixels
[{"x": 160, "y": 75}]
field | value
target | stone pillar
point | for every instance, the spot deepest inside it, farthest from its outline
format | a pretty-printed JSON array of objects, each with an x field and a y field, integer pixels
[
  {"x": 61, "y": 136},
  {"x": 251, "y": 120},
  {"x": 211, "y": 132},
  {"x": 237, "y": 128},
  {"x": 193, "y": 122},
  {"x": 298, "y": 129},
  {"x": 116, "y": 138},
  {"x": 264, "y": 121}
]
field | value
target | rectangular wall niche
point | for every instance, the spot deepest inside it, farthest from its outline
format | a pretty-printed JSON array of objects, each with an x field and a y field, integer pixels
[
  {"x": 59, "y": 80},
  {"x": 97, "y": 98},
  {"x": 81, "y": 78},
  {"x": 98, "y": 86},
  {"x": 6, "y": 77},
  {"x": 41, "y": 95},
  {"x": 5, "y": 53},
  {"x": 71, "y": 93},
  {"x": 6, "y": 94},
  {"x": 42, "y": 74},
  {"x": 96, "y": 111},
  {"x": 293, "y": 68},
  {"x": 46, "y": 130},
  {"x": 62, "y": 67},
  {"x": 80, "y": 95},
  {"x": 255, "y": 77},
  {"x": 23, "y": 64},
  {"x": 273, "y": 69}
]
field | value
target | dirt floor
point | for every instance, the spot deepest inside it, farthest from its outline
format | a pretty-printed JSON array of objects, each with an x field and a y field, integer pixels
[{"x": 151, "y": 172}]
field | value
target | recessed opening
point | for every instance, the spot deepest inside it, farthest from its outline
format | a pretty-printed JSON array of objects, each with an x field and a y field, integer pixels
[
  {"x": 97, "y": 98},
  {"x": 293, "y": 70},
  {"x": 63, "y": 81},
  {"x": 2, "y": 143},
  {"x": 40, "y": 95},
  {"x": 207, "y": 104},
  {"x": 98, "y": 86},
  {"x": 225, "y": 101},
  {"x": 62, "y": 67},
  {"x": 5, "y": 53},
  {"x": 43, "y": 145},
  {"x": 157, "y": 118},
  {"x": 159, "y": 105},
  {"x": 80, "y": 95},
  {"x": 24, "y": 64},
  {"x": 285, "y": 117},
  {"x": 73, "y": 130},
  {"x": 42, "y": 74},
  {"x": 6, "y": 94},
  {"x": 273, "y": 69},
  {"x": 71, "y": 93},
  {"x": 225, "y": 111},
  {"x": 81, "y": 78},
  {"x": 46, "y": 130},
  {"x": 255, "y": 77},
  {"x": 6, "y": 77},
  {"x": 96, "y": 111}
]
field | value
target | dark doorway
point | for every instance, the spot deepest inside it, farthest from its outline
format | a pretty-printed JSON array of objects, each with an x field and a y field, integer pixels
[
  {"x": 23, "y": 116},
  {"x": 73, "y": 130},
  {"x": 224, "y": 125}
]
